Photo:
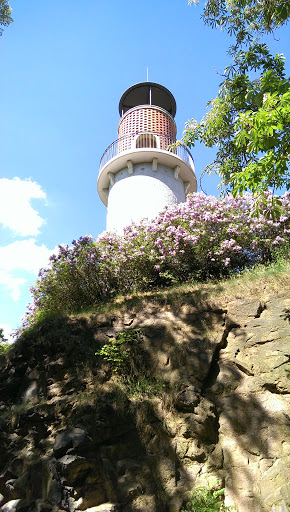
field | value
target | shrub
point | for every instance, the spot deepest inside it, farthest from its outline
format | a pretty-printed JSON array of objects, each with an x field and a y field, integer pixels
[
  {"x": 206, "y": 500},
  {"x": 4, "y": 345},
  {"x": 123, "y": 353},
  {"x": 199, "y": 239}
]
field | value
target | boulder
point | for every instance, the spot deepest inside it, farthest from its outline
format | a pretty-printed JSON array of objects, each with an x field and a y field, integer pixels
[
  {"x": 14, "y": 505},
  {"x": 67, "y": 439},
  {"x": 105, "y": 507},
  {"x": 187, "y": 399}
]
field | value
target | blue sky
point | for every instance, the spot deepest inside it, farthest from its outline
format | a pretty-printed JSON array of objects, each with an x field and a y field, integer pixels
[{"x": 64, "y": 67}]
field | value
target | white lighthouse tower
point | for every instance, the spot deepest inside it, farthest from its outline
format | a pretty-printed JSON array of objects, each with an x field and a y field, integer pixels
[{"x": 140, "y": 173}]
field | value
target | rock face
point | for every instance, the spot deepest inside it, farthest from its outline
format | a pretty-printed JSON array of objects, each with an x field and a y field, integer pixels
[{"x": 73, "y": 438}]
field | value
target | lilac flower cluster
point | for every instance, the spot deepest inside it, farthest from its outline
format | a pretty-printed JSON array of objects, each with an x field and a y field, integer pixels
[{"x": 199, "y": 239}]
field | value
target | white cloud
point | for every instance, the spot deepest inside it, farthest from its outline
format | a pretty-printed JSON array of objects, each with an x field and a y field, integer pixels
[
  {"x": 16, "y": 213},
  {"x": 11, "y": 284},
  {"x": 24, "y": 255}
]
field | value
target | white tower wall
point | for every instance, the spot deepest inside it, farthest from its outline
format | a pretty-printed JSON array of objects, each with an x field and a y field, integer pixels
[{"x": 142, "y": 194}]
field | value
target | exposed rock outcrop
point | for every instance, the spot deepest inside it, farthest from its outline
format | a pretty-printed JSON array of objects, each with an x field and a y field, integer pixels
[{"x": 73, "y": 438}]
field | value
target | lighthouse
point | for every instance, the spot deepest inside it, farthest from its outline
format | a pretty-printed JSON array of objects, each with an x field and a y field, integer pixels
[{"x": 142, "y": 171}]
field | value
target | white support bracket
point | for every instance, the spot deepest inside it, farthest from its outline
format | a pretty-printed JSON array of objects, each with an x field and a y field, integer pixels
[
  {"x": 111, "y": 178},
  {"x": 106, "y": 191},
  {"x": 186, "y": 187},
  {"x": 176, "y": 172},
  {"x": 130, "y": 167},
  {"x": 154, "y": 164}
]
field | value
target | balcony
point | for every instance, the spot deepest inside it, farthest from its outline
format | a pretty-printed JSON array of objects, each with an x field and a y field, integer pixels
[
  {"x": 143, "y": 147},
  {"x": 145, "y": 141}
]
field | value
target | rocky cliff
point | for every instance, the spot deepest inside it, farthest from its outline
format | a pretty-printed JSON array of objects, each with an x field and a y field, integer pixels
[{"x": 210, "y": 405}]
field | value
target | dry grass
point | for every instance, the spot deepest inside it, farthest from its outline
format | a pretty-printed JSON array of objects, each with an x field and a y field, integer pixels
[{"x": 259, "y": 282}]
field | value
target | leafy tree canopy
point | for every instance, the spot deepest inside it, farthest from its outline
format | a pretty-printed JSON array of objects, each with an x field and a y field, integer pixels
[
  {"x": 2, "y": 337},
  {"x": 245, "y": 19},
  {"x": 249, "y": 119},
  {"x": 4, "y": 345},
  {"x": 5, "y": 15}
]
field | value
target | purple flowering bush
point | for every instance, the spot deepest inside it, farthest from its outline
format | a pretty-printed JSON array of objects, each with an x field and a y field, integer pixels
[{"x": 202, "y": 238}]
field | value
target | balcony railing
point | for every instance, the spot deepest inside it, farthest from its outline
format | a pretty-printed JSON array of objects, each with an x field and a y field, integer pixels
[{"x": 146, "y": 140}]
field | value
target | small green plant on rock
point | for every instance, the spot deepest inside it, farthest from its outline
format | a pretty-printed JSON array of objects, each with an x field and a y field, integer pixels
[
  {"x": 122, "y": 352},
  {"x": 127, "y": 358},
  {"x": 145, "y": 386},
  {"x": 204, "y": 499}
]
